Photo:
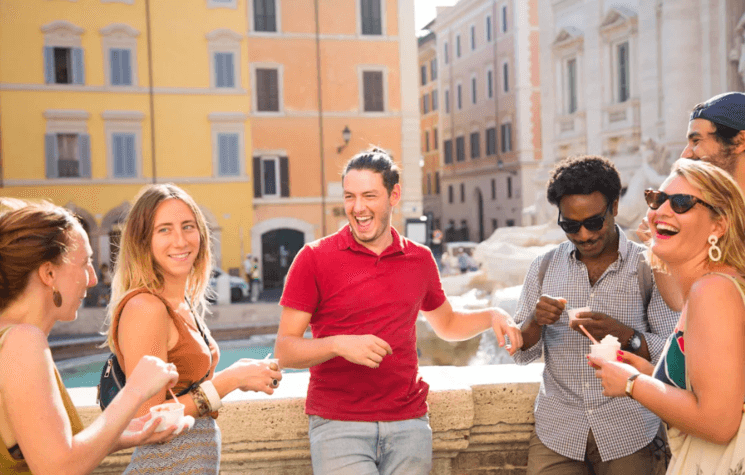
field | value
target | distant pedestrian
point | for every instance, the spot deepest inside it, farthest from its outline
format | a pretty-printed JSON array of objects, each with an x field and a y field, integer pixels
[{"x": 255, "y": 280}]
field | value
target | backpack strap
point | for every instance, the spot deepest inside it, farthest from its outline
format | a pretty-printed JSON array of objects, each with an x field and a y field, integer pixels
[
  {"x": 547, "y": 257},
  {"x": 644, "y": 275}
]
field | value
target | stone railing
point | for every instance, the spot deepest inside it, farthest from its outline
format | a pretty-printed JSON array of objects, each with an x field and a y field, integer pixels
[{"x": 481, "y": 418}]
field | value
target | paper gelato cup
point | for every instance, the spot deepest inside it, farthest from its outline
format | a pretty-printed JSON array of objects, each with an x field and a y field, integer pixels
[
  {"x": 170, "y": 414},
  {"x": 574, "y": 311},
  {"x": 606, "y": 349}
]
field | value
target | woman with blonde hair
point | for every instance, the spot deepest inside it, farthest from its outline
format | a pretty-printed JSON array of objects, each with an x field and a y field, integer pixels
[
  {"x": 45, "y": 269},
  {"x": 697, "y": 221},
  {"x": 157, "y": 308}
]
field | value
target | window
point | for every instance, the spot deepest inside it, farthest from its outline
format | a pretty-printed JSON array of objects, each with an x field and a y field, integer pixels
[
  {"x": 459, "y": 97},
  {"x": 228, "y": 146},
  {"x": 433, "y": 69},
  {"x": 224, "y": 70},
  {"x": 434, "y": 138},
  {"x": 224, "y": 49},
  {"x": 448, "y": 151},
  {"x": 488, "y": 28},
  {"x": 373, "y": 93},
  {"x": 623, "y": 72},
  {"x": 271, "y": 177},
  {"x": 64, "y": 65},
  {"x": 123, "y": 131},
  {"x": 68, "y": 155},
  {"x": 267, "y": 89},
  {"x": 510, "y": 222},
  {"x": 506, "y": 137},
  {"x": 429, "y": 183},
  {"x": 493, "y": 189},
  {"x": 506, "y": 77},
  {"x": 228, "y": 155},
  {"x": 123, "y": 153},
  {"x": 222, "y": 4},
  {"x": 462, "y": 195},
  {"x": 504, "y": 18},
  {"x": 460, "y": 149},
  {"x": 437, "y": 184},
  {"x": 447, "y": 101},
  {"x": 450, "y": 194},
  {"x": 265, "y": 15},
  {"x": 120, "y": 63},
  {"x": 426, "y": 140},
  {"x": 370, "y": 15},
  {"x": 425, "y": 103},
  {"x": 509, "y": 188},
  {"x": 475, "y": 145},
  {"x": 494, "y": 224},
  {"x": 424, "y": 74},
  {"x": 445, "y": 52},
  {"x": 457, "y": 46},
  {"x": 572, "y": 85},
  {"x": 491, "y": 141},
  {"x": 434, "y": 99},
  {"x": 473, "y": 37},
  {"x": 489, "y": 83},
  {"x": 473, "y": 90}
]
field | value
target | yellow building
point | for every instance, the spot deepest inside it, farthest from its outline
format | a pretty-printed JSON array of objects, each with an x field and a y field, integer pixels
[
  {"x": 241, "y": 102},
  {"x": 100, "y": 97}
]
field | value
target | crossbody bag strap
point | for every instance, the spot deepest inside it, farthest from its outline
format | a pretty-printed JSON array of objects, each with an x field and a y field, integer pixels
[{"x": 209, "y": 350}]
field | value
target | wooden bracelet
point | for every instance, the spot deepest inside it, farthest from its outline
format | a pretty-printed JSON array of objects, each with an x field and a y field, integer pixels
[{"x": 201, "y": 401}]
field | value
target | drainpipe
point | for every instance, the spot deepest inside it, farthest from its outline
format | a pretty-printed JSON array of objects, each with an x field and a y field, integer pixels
[
  {"x": 320, "y": 121},
  {"x": 150, "y": 88}
]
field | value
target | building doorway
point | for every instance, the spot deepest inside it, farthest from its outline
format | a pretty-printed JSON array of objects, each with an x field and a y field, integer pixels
[{"x": 279, "y": 248}]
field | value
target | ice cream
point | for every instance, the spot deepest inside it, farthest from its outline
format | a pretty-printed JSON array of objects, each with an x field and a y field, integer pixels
[{"x": 607, "y": 348}]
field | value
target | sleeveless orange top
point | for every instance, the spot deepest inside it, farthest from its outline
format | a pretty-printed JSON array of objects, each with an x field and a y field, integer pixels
[
  {"x": 190, "y": 354},
  {"x": 10, "y": 465}
]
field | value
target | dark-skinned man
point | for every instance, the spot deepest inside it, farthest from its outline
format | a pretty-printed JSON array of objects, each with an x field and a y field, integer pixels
[{"x": 577, "y": 428}]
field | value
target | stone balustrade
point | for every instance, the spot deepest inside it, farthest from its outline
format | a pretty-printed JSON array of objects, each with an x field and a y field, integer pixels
[{"x": 481, "y": 418}]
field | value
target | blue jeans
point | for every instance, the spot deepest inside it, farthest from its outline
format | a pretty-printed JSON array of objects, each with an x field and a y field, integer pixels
[{"x": 370, "y": 448}]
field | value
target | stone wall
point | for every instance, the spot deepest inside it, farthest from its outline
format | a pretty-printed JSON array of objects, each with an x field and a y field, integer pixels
[{"x": 481, "y": 419}]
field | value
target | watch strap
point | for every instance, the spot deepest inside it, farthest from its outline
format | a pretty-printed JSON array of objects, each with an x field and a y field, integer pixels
[{"x": 630, "y": 384}]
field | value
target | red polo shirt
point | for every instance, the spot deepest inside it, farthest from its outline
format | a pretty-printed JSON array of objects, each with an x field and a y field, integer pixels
[{"x": 350, "y": 290}]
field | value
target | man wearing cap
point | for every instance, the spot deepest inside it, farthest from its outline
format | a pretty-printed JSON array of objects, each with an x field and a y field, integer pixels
[{"x": 716, "y": 134}]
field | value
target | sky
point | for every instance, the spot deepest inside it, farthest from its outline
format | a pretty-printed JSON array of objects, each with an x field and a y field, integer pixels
[{"x": 424, "y": 10}]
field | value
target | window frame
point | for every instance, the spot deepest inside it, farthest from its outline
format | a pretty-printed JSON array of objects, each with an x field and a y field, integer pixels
[
  {"x": 506, "y": 138},
  {"x": 123, "y": 122},
  {"x": 489, "y": 82},
  {"x": 72, "y": 122},
  {"x": 361, "y": 70},
  {"x": 122, "y": 37},
  {"x": 571, "y": 89},
  {"x": 460, "y": 149},
  {"x": 255, "y": 88},
  {"x": 505, "y": 77},
  {"x": 277, "y": 19},
  {"x": 475, "y": 151},
  {"x": 474, "y": 89},
  {"x": 63, "y": 34},
  {"x": 224, "y": 41},
  {"x": 488, "y": 29},
  {"x": 228, "y": 123},
  {"x": 232, "y": 4},
  {"x": 383, "y": 23}
]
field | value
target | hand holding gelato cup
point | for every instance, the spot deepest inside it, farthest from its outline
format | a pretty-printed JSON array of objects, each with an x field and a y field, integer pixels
[
  {"x": 573, "y": 312},
  {"x": 170, "y": 414},
  {"x": 606, "y": 349}
]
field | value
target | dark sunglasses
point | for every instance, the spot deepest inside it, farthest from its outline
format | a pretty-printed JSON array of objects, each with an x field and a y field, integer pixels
[
  {"x": 679, "y": 203},
  {"x": 593, "y": 223}
]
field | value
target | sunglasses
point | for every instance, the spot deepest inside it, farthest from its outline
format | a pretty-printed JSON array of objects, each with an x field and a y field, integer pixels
[
  {"x": 679, "y": 203},
  {"x": 593, "y": 223}
]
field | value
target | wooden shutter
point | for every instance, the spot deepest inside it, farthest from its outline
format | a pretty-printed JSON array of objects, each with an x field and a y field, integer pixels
[
  {"x": 126, "y": 66},
  {"x": 219, "y": 70},
  {"x": 48, "y": 65},
  {"x": 50, "y": 148},
  {"x": 267, "y": 90},
  {"x": 78, "y": 66},
  {"x": 229, "y": 74},
  {"x": 115, "y": 71},
  {"x": 117, "y": 148},
  {"x": 284, "y": 176},
  {"x": 372, "y": 82},
  {"x": 257, "y": 177},
  {"x": 130, "y": 168},
  {"x": 273, "y": 85},
  {"x": 84, "y": 142}
]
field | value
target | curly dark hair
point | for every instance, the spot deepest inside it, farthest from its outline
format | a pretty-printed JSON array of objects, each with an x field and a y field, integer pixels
[{"x": 583, "y": 175}]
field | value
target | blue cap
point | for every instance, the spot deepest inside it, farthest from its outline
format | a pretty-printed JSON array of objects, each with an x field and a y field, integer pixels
[{"x": 725, "y": 109}]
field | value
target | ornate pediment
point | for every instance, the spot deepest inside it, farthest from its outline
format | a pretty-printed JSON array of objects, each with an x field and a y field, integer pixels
[
  {"x": 568, "y": 37},
  {"x": 119, "y": 29},
  {"x": 619, "y": 20}
]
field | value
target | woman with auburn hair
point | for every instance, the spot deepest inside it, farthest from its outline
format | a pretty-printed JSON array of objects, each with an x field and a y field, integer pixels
[
  {"x": 157, "y": 308},
  {"x": 698, "y": 387},
  {"x": 45, "y": 269}
]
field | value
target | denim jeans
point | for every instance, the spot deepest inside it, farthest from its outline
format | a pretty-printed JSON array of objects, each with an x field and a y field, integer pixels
[{"x": 370, "y": 448}]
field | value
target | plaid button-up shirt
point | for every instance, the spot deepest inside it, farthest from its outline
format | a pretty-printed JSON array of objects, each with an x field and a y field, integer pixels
[{"x": 571, "y": 402}]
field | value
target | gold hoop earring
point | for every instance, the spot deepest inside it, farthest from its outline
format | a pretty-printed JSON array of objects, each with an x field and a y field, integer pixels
[
  {"x": 56, "y": 297},
  {"x": 715, "y": 253}
]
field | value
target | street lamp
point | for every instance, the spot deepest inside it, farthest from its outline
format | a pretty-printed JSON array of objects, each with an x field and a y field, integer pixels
[{"x": 346, "y": 134}]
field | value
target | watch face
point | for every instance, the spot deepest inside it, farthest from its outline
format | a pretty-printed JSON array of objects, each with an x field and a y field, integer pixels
[{"x": 635, "y": 342}]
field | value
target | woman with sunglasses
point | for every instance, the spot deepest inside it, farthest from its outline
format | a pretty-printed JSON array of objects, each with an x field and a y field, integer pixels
[
  {"x": 157, "y": 308},
  {"x": 697, "y": 221}
]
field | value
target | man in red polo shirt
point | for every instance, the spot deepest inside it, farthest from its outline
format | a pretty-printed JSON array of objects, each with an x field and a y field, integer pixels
[{"x": 361, "y": 290}]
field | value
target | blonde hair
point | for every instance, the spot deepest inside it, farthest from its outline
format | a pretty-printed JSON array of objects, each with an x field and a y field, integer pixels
[
  {"x": 721, "y": 191},
  {"x": 136, "y": 268}
]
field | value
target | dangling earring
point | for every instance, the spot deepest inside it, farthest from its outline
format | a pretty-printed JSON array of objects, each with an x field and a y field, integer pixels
[
  {"x": 56, "y": 297},
  {"x": 714, "y": 252}
]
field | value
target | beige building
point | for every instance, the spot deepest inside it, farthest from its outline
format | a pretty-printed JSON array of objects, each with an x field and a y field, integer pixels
[
  {"x": 489, "y": 117},
  {"x": 620, "y": 81},
  {"x": 429, "y": 106}
]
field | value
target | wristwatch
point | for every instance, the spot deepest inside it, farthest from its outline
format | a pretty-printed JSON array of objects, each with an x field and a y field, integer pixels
[
  {"x": 630, "y": 384},
  {"x": 634, "y": 343}
]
